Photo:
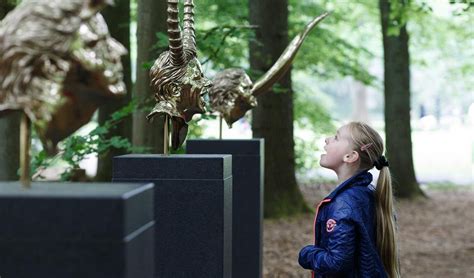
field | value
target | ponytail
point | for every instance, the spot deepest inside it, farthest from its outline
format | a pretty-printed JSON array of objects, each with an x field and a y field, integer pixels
[
  {"x": 368, "y": 143},
  {"x": 385, "y": 219}
]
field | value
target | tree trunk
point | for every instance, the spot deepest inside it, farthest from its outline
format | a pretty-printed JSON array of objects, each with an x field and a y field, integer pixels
[
  {"x": 118, "y": 21},
  {"x": 151, "y": 18},
  {"x": 397, "y": 106},
  {"x": 9, "y": 128},
  {"x": 272, "y": 119}
]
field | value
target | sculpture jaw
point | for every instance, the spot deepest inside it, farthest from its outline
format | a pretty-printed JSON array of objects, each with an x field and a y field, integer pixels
[
  {"x": 179, "y": 129},
  {"x": 241, "y": 105}
]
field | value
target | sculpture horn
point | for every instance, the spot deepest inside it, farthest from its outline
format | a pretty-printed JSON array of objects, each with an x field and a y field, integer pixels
[
  {"x": 174, "y": 34},
  {"x": 189, "y": 38},
  {"x": 284, "y": 62}
]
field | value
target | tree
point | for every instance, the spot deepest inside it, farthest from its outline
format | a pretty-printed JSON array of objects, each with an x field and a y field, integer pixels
[
  {"x": 9, "y": 125},
  {"x": 151, "y": 19},
  {"x": 118, "y": 21},
  {"x": 397, "y": 97},
  {"x": 5, "y": 7},
  {"x": 272, "y": 119}
]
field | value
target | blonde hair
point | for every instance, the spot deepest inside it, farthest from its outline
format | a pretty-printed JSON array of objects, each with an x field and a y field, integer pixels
[{"x": 369, "y": 144}]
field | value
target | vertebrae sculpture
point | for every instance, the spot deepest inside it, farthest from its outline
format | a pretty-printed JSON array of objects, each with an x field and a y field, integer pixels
[
  {"x": 233, "y": 92},
  {"x": 177, "y": 77},
  {"x": 58, "y": 63}
]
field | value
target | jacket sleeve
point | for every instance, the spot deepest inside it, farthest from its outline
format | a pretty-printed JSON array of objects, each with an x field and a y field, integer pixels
[{"x": 339, "y": 254}]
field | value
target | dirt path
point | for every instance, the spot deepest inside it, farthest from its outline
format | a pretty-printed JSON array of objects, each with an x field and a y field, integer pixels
[{"x": 436, "y": 236}]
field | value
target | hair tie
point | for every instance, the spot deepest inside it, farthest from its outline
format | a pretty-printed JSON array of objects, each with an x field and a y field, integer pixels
[
  {"x": 365, "y": 147},
  {"x": 381, "y": 162}
]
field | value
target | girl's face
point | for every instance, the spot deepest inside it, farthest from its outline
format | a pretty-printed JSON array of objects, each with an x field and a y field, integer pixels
[{"x": 337, "y": 147}]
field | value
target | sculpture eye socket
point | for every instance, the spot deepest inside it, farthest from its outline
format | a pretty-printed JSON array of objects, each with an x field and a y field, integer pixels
[{"x": 91, "y": 44}]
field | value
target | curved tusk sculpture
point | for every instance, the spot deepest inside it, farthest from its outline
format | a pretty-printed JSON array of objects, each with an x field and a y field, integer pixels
[
  {"x": 233, "y": 93},
  {"x": 284, "y": 62}
]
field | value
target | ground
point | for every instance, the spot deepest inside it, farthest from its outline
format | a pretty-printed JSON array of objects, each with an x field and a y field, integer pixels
[{"x": 436, "y": 236}]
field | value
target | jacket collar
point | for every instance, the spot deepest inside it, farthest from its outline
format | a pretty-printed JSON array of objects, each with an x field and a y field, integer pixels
[{"x": 363, "y": 178}]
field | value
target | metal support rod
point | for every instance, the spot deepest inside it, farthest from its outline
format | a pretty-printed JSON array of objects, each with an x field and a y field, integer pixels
[
  {"x": 25, "y": 142},
  {"x": 220, "y": 127},
  {"x": 166, "y": 136}
]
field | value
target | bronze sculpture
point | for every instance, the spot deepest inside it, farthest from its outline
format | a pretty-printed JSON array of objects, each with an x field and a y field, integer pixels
[
  {"x": 233, "y": 92},
  {"x": 58, "y": 63},
  {"x": 177, "y": 77}
]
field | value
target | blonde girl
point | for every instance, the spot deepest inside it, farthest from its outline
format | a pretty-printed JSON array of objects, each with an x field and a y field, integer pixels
[{"x": 354, "y": 226}]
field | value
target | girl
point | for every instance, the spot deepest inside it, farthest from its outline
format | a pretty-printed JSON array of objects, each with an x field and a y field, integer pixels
[{"x": 354, "y": 227}]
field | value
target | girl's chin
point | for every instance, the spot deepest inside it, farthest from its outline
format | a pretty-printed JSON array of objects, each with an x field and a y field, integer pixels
[{"x": 321, "y": 161}]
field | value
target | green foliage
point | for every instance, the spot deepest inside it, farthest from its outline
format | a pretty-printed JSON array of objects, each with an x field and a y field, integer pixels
[
  {"x": 309, "y": 113},
  {"x": 305, "y": 158},
  {"x": 325, "y": 51},
  {"x": 75, "y": 148},
  {"x": 224, "y": 45},
  {"x": 161, "y": 43},
  {"x": 147, "y": 65},
  {"x": 133, "y": 10},
  {"x": 399, "y": 13},
  {"x": 334, "y": 48},
  {"x": 315, "y": 121},
  {"x": 439, "y": 43}
]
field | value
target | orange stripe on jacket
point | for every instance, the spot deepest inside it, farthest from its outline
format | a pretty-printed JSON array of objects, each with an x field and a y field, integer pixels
[{"x": 314, "y": 224}]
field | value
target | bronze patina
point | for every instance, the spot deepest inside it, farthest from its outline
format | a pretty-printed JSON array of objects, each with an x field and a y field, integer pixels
[
  {"x": 177, "y": 77},
  {"x": 58, "y": 63},
  {"x": 233, "y": 92}
]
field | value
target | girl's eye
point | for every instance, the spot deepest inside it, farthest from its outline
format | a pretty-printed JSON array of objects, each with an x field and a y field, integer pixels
[{"x": 335, "y": 137}]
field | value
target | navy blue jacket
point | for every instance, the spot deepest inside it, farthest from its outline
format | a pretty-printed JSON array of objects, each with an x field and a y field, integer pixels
[{"x": 344, "y": 229}]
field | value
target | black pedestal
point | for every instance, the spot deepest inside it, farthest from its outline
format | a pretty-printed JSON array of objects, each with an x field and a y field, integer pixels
[
  {"x": 59, "y": 230},
  {"x": 193, "y": 210},
  {"x": 247, "y": 199}
]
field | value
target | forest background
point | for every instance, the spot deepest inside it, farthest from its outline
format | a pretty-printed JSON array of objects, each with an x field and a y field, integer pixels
[{"x": 339, "y": 75}]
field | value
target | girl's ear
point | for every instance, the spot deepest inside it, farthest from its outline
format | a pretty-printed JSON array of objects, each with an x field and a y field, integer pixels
[{"x": 351, "y": 157}]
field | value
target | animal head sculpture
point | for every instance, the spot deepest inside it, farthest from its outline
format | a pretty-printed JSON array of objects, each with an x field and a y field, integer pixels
[
  {"x": 177, "y": 77},
  {"x": 233, "y": 92},
  {"x": 58, "y": 63}
]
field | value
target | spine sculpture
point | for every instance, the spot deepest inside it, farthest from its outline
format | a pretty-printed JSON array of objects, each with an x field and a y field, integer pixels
[{"x": 177, "y": 77}]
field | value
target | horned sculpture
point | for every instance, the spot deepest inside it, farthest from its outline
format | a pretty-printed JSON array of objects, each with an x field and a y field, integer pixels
[
  {"x": 177, "y": 77},
  {"x": 58, "y": 63},
  {"x": 233, "y": 92}
]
